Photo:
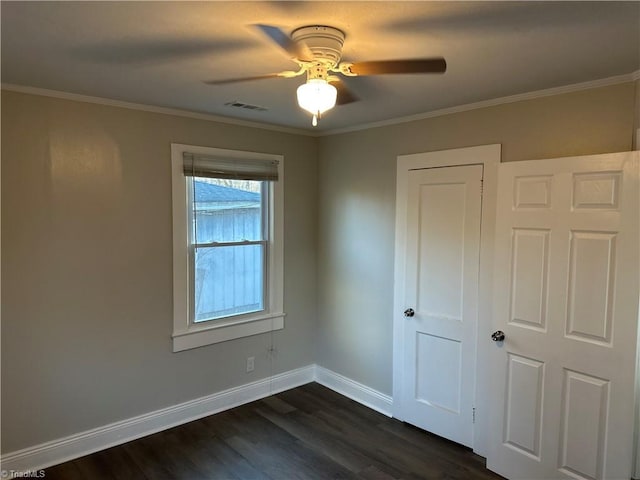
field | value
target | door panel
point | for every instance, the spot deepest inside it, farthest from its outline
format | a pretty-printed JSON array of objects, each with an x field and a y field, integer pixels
[
  {"x": 582, "y": 442},
  {"x": 440, "y": 248},
  {"x": 440, "y": 365},
  {"x": 443, "y": 245},
  {"x": 591, "y": 274},
  {"x": 524, "y": 393},
  {"x": 566, "y": 296},
  {"x": 529, "y": 274}
]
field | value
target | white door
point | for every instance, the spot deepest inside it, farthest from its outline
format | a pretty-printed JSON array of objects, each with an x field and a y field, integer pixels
[
  {"x": 566, "y": 298},
  {"x": 441, "y": 298}
]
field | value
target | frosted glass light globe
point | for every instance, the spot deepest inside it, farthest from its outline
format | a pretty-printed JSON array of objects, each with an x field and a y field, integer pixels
[{"x": 317, "y": 96}]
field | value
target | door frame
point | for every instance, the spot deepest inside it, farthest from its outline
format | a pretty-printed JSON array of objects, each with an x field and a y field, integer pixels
[
  {"x": 636, "y": 469},
  {"x": 489, "y": 157}
]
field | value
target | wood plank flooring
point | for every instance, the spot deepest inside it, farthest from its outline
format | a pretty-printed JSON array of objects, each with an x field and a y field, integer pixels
[{"x": 309, "y": 432}]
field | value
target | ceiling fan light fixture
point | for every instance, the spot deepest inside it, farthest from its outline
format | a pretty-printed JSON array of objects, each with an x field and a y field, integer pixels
[
  {"x": 317, "y": 49},
  {"x": 317, "y": 96}
]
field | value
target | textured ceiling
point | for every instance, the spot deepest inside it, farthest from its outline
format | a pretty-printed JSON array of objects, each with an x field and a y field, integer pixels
[{"x": 159, "y": 53}]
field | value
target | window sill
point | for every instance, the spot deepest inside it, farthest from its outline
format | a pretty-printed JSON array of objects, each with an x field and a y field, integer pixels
[{"x": 201, "y": 335}]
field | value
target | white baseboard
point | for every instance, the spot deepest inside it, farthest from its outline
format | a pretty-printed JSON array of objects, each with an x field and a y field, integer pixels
[
  {"x": 81, "y": 444},
  {"x": 84, "y": 443},
  {"x": 355, "y": 391}
]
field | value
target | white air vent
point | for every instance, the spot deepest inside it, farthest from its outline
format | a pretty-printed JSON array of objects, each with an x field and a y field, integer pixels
[{"x": 246, "y": 106}]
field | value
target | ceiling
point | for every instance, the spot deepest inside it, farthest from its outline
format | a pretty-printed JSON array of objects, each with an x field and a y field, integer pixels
[{"x": 159, "y": 53}]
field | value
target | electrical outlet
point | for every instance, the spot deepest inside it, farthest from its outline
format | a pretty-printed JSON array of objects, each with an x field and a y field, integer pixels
[{"x": 251, "y": 361}]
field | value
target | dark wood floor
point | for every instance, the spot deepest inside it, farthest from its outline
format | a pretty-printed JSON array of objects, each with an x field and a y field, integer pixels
[{"x": 309, "y": 432}]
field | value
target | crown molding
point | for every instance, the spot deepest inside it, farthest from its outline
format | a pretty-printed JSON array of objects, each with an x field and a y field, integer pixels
[
  {"x": 150, "y": 108},
  {"x": 576, "y": 87}
]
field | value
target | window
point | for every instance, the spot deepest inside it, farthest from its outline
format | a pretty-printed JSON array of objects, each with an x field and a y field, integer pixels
[
  {"x": 227, "y": 244},
  {"x": 228, "y": 250}
]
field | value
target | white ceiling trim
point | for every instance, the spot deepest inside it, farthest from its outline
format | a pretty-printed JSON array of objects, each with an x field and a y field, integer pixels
[
  {"x": 576, "y": 87},
  {"x": 151, "y": 108}
]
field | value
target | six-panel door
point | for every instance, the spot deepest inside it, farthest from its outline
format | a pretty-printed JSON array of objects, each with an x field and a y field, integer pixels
[{"x": 566, "y": 296}]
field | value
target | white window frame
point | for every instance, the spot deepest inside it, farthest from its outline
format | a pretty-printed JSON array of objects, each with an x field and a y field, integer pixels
[{"x": 187, "y": 334}]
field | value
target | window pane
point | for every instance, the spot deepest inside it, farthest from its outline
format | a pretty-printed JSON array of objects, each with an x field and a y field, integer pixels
[
  {"x": 227, "y": 210},
  {"x": 228, "y": 281}
]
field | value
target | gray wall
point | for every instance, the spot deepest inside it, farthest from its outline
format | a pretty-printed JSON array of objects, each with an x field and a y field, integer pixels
[
  {"x": 357, "y": 205},
  {"x": 87, "y": 266},
  {"x": 86, "y": 239}
]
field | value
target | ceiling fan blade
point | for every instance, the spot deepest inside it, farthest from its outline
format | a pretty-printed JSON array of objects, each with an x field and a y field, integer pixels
[
  {"x": 242, "y": 79},
  {"x": 295, "y": 49},
  {"x": 418, "y": 65},
  {"x": 345, "y": 95}
]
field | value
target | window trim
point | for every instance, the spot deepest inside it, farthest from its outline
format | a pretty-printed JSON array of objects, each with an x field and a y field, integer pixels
[{"x": 186, "y": 334}]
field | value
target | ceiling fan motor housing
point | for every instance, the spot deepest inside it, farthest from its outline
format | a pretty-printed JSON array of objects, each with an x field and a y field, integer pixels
[{"x": 325, "y": 42}]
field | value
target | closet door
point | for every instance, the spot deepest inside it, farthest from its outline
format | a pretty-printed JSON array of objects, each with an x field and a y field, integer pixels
[{"x": 565, "y": 318}]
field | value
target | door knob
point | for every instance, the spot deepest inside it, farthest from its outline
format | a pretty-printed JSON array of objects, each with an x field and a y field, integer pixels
[
  {"x": 498, "y": 336},
  {"x": 409, "y": 312}
]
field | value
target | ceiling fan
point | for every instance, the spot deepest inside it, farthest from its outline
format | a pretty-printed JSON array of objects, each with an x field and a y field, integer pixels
[{"x": 317, "y": 49}]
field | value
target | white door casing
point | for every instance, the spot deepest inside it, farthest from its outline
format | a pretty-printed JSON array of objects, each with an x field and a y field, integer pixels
[
  {"x": 488, "y": 157},
  {"x": 636, "y": 474},
  {"x": 566, "y": 296}
]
